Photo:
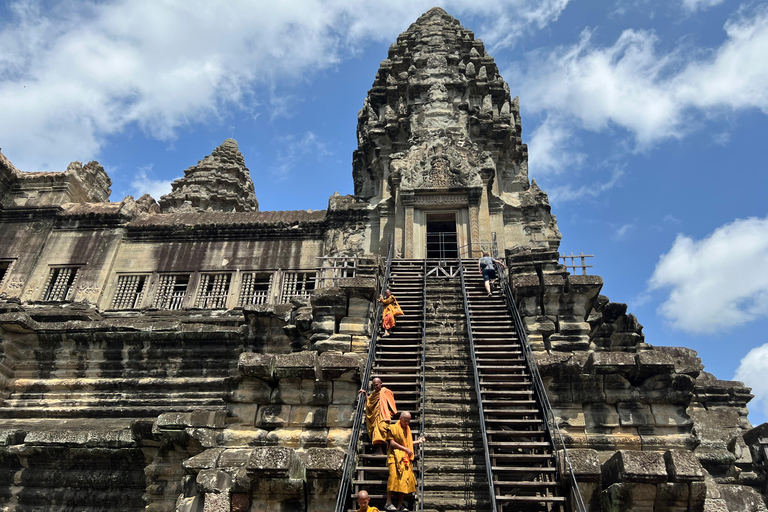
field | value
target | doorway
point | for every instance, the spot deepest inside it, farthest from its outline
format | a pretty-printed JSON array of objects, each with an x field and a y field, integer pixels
[{"x": 442, "y": 240}]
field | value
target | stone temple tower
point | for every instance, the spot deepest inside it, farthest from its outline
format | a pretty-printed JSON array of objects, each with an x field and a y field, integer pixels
[{"x": 440, "y": 157}]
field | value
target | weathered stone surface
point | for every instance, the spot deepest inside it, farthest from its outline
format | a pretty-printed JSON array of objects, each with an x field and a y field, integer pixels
[
  {"x": 683, "y": 466},
  {"x": 261, "y": 366},
  {"x": 635, "y": 466},
  {"x": 300, "y": 365}
]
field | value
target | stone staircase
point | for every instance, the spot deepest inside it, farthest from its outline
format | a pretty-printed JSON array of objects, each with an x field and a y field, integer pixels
[{"x": 455, "y": 477}]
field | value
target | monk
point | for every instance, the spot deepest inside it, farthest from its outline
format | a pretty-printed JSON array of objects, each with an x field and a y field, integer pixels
[
  {"x": 379, "y": 408},
  {"x": 362, "y": 501},
  {"x": 400, "y": 462},
  {"x": 388, "y": 315}
]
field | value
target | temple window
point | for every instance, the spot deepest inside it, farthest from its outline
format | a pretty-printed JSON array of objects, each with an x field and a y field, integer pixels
[
  {"x": 171, "y": 289},
  {"x": 256, "y": 288},
  {"x": 5, "y": 266},
  {"x": 296, "y": 284},
  {"x": 131, "y": 290},
  {"x": 213, "y": 291},
  {"x": 60, "y": 283}
]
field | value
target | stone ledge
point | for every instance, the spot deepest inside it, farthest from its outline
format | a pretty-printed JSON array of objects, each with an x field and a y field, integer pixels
[{"x": 635, "y": 466}]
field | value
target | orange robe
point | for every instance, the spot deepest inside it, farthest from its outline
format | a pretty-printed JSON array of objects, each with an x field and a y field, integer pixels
[
  {"x": 378, "y": 412},
  {"x": 399, "y": 463},
  {"x": 388, "y": 315},
  {"x": 368, "y": 509}
]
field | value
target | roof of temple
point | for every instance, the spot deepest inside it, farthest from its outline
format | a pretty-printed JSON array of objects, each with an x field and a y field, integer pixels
[
  {"x": 192, "y": 218},
  {"x": 219, "y": 182}
]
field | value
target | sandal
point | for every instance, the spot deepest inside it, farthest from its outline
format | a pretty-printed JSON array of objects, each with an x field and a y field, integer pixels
[{"x": 390, "y": 506}]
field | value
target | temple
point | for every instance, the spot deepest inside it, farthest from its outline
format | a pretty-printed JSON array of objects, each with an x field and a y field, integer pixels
[{"x": 192, "y": 353}]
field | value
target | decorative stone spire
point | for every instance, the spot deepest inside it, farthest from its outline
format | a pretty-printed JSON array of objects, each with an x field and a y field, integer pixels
[
  {"x": 439, "y": 121},
  {"x": 219, "y": 182}
]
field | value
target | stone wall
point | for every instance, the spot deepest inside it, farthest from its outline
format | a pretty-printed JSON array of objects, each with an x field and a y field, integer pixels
[{"x": 647, "y": 429}]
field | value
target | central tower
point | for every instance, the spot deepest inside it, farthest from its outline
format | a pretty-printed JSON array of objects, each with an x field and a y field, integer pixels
[{"x": 440, "y": 157}]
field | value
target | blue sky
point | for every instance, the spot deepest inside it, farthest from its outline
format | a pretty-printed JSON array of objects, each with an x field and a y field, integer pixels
[{"x": 646, "y": 123}]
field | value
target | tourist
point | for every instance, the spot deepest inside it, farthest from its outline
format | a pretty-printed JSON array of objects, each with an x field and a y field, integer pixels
[
  {"x": 379, "y": 407},
  {"x": 400, "y": 462},
  {"x": 485, "y": 264},
  {"x": 391, "y": 310},
  {"x": 362, "y": 502}
]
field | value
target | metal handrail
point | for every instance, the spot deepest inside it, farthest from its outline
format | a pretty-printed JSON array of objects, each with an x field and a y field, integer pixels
[
  {"x": 422, "y": 420},
  {"x": 349, "y": 460},
  {"x": 541, "y": 392},
  {"x": 481, "y": 412}
]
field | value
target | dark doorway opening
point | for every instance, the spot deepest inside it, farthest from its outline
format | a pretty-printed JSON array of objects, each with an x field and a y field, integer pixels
[{"x": 442, "y": 241}]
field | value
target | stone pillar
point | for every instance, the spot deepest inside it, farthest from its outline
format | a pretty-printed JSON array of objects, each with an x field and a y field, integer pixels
[
  {"x": 408, "y": 228},
  {"x": 484, "y": 214},
  {"x": 474, "y": 222}
]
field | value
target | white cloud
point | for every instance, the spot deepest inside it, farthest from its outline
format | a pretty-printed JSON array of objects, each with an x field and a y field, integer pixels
[
  {"x": 623, "y": 230},
  {"x": 564, "y": 193},
  {"x": 143, "y": 183},
  {"x": 718, "y": 282},
  {"x": 652, "y": 94},
  {"x": 696, "y": 5},
  {"x": 549, "y": 148},
  {"x": 293, "y": 149},
  {"x": 751, "y": 371},
  {"x": 74, "y": 73}
]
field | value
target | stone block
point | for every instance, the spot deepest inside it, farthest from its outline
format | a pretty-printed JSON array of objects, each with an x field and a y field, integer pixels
[
  {"x": 217, "y": 502},
  {"x": 635, "y": 466},
  {"x": 336, "y": 343},
  {"x": 653, "y": 362},
  {"x": 587, "y": 388},
  {"x": 569, "y": 416},
  {"x": 359, "y": 307},
  {"x": 600, "y": 416},
  {"x": 611, "y": 363},
  {"x": 356, "y": 325},
  {"x": 288, "y": 437},
  {"x": 213, "y": 480},
  {"x": 360, "y": 344},
  {"x": 669, "y": 415},
  {"x": 275, "y": 462},
  {"x": 234, "y": 457},
  {"x": 686, "y": 360},
  {"x": 326, "y": 324},
  {"x": 683, "y": 466},
  {"x": 325, "y": 462},
  {"x": 314, "y": 438},
  {"x": 251, "y": 391},
  {"x": 620, "y": 438},
  {"x": 240, "y": 502},
  {"x": 308, "y": 416},
  {"x": 672, "y": 497},
  {"x": 633, "y": 414},
  {"x": 299, "y": 365},
  {"x": 668, "y": 388},
  {"x": 585, "y": 463},
  {"x": 345, "y": 392},
  {"x": 573, "y": 326},
  {"x": 242, "y": 436},
  {"x": 302, "y": 392},
  {"x": 329, "y": 300},
  {"x": 637, "y": 497},
  {"x": 698, "y": 493},
  {"x": 270, "y": 416},
  {"x": 625, "y": 340},
  {"x": 340, "y": 416},
  {"x": 742, "y": 498},
  {"x": 618, "y": 388},
  {"x": 568, "y": 342},
  {"x": 205, "y": 460},
  {"x": 261, "y": 366},
  {"x": 192, "y": 504},
  {"x": 345, "y": 367},
  {"x": 339, "y": 438}
]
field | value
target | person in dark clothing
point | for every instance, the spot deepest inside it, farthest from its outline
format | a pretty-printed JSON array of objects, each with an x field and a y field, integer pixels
[{"x": 485, "y": 264}]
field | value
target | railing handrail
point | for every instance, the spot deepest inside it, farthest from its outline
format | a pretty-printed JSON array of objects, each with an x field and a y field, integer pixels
[
  {"x": 349, "y": 460},
  {"x": 422, "y": 417},
  {"x": 481, "y": 412},
  {"x": 541, "y": 393}
]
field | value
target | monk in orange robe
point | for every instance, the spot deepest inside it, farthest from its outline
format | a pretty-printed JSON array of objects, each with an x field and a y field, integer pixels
[
  {"x": 388, "y": 315},
  {"x": 379, "y": 408},
  {"x": 363, "y": 502},
  {"x": 400, "y": 461}
]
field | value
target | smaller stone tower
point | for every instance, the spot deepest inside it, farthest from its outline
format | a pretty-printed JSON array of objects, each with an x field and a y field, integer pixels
[{"x": 219, "y": 182}]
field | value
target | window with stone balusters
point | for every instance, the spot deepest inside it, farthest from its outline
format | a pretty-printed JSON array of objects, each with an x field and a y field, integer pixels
[
  {"x": 61, "y": 283},
  {"x": 296, "y": 284},
  {"x": 130, "y": 292},
  {"x": 213, "y": 290},
  {"x": 171, "y": 290},
  {"x": 255, "y": 288}
]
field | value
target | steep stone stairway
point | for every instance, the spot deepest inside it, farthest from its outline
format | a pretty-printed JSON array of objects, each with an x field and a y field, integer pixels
[
  {"x": 398, "y": 365},
  {"x": 454, "y": 464},
  {"x": 521, "y": 454}
]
